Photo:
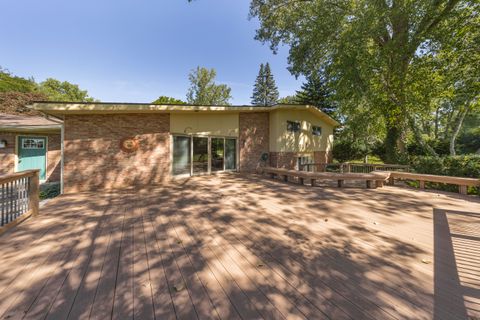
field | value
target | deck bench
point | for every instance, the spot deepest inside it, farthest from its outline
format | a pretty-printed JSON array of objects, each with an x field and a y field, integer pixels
[
  {"x": 373, "y": 180},
  {"x": 462, "y": 183}
]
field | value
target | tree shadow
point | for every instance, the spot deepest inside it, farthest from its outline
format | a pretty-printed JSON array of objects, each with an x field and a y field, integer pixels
[{"x": 235, "y": 246}]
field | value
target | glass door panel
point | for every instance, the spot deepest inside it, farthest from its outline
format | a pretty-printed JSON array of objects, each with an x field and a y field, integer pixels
[
  {"x": 200, "y": 155},
  {"x": 230, "y": 154},
  {"x": 218, "y": 154},
  {"x": 181, "y": 155}
]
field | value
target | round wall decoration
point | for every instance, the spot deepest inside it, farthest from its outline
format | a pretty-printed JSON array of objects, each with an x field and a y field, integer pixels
[{"x": 129, "y": 145}]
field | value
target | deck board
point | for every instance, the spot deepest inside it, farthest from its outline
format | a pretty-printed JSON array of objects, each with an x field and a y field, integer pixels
[{"x": 243, "y": 247}]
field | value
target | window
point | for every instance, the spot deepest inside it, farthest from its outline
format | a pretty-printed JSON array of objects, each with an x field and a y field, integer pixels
[
  {"x": 230, "y": 154},
  {"x": 33, "y": 143},
  {"x": 316, "y": 131},
  {"x": 181, "y": 155},
  {"x": 293, "y": 126},
  {"x": 302, "y": 163}
]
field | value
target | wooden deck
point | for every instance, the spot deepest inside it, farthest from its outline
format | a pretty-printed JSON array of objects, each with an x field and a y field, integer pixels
[{"x": 243, "y": 247}]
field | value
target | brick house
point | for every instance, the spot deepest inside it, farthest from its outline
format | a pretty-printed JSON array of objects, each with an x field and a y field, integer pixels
[
  {"x": 30, "y": 142},
  {"x": 119, "y": 145}
]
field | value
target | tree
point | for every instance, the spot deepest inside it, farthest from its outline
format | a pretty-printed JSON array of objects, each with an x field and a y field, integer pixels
[
  {"x": 168, "y": 100},
  {"x": 204, "y": 91},
  {"x": 289, "y": 100},
  {"x": 265, "y": 91},
  {"x": 56, "y": 90},
  {"x": 366, "y": 48},
  {"x": 9, "y": 82},
  {"x": 316, "y": 92}
]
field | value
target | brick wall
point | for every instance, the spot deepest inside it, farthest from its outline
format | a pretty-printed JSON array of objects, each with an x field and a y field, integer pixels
[
  {"x": 286, "y": 160},
  {"x": 322, "y": 157},
  {"x": 7, "y": 155},
  {"x": 54, "y": 156},
  {"x": 253, "y": 139},
  {"x": 93, "y": 158}
]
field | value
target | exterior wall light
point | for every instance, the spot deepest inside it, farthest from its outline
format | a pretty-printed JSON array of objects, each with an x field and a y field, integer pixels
[{"x": 3, "y": 144}]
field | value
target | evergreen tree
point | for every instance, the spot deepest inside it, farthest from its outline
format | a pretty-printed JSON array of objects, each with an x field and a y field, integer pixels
[
  {"x": 265, "y": 92},
  {"x": 316, "y": 92},
  {"x": 258, "y": 98}
]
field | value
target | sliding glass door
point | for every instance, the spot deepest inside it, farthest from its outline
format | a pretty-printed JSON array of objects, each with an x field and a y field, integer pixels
[
  {"x": 181, "y": 155},
  {"x": 218, "y": 152},
  {"x": 230, "y": 154},
  {"x": 195, "y": 155},
  {"x": 200, "y": 155}
]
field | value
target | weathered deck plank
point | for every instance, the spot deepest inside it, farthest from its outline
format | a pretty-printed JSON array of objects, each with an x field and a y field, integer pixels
[{"x": 233, "y": 246}]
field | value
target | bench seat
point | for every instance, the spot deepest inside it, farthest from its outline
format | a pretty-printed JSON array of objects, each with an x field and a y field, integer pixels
[{"x": 373, "y": 180}]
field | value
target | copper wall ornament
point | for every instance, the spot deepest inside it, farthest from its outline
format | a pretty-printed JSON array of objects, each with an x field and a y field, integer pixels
[{"x": 129, "y": 145}]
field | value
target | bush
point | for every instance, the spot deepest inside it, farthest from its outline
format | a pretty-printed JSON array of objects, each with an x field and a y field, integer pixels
[
  {"x": 49, "y": 190},
  {"x": 467, "y": 166}
]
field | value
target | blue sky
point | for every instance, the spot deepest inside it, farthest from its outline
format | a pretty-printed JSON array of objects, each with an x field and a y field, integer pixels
[{"x": 135, "y": 51}]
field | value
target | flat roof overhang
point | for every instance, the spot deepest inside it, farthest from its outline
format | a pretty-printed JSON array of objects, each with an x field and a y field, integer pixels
[
  {"x": 32, "y": 129},
  {"x": 61, "y": 108}
]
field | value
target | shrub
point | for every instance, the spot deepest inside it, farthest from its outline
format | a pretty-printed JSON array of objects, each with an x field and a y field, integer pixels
[
  {"x": 467, "y": 166},
  {"x": 49, "y": 190}
]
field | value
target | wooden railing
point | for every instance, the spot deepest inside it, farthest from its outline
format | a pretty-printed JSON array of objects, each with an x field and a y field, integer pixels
[
  {"x": 19, "y": 197},
  {"x": 349, "y": 167}
]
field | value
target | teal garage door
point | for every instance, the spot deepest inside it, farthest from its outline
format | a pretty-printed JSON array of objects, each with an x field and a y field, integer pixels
[{"x": 32, "y": 153}]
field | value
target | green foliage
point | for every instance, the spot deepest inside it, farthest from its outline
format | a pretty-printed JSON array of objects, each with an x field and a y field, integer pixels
[
  {"x": 469, "y": 142},
  {"x": 9, "y": 82},
  {"x": 315, "y": 91},
  {"x": 203, "y": 89},
  {"x": 265, "y": 91},
  {"x": 49, "y": 190},
  {"x": 467, "y": 166},
  {"x": 56, "y": 90},
  {"x": 376, "y": 54},
  {"x": 289, "y": 100},
  {"x": 168, "y": 100}
]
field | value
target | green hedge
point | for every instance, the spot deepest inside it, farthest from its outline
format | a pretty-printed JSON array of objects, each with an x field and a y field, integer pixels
[{"x": 467, "y": 166}]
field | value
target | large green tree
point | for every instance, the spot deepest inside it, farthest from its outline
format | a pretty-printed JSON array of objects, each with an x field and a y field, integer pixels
[
  {"x": 265, "y": 91},
  {"x": 203, "y": 89},
  {"x": 168, "y": 100},
  {"x": 366, "y": 47},
  {"x": 57, "y": 90},
  {"x": 9, "y": 83}
]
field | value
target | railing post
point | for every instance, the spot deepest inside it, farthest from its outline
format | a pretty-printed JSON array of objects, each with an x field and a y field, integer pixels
[{"x": 33, "y": 193}]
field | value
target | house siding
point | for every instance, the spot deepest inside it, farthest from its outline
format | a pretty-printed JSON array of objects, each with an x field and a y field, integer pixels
[
  {"x": 93, "y": 158},
  {"x": 253, "y": 139}
]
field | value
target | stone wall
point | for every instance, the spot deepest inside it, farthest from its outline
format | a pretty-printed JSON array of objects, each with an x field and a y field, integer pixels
[{"x": 93, "y": 158}]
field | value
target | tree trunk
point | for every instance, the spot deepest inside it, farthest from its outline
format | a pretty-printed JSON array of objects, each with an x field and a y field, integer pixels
[
  {"x": 457, "y": 129},
  {"x": 392, "y": 150},
  {"x": 437, "y": 119},
  {"x": 418, "y": 137}
]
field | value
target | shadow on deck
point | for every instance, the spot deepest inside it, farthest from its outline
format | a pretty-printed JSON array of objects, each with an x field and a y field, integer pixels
[{"x": 234, "y": 246}]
